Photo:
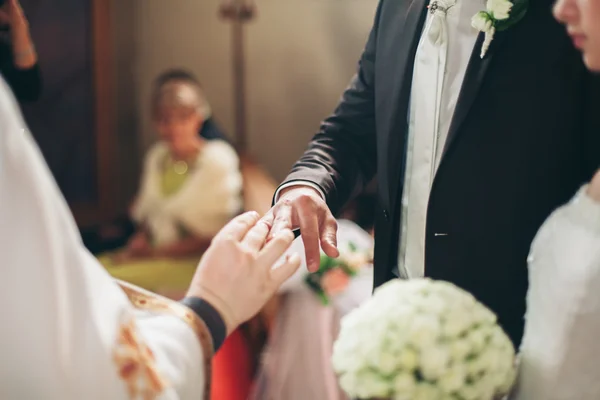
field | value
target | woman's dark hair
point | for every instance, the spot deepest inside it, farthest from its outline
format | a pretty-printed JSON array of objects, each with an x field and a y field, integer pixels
[
  {"x": 179, "y": 76},
  {"x": 176, "y": 74}
]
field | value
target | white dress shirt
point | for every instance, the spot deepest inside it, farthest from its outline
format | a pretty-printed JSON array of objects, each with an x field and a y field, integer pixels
[{"x": 426, "y": 142}]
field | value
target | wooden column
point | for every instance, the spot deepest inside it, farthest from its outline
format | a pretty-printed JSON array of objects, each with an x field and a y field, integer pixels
[{"x": 238, "y": 12}]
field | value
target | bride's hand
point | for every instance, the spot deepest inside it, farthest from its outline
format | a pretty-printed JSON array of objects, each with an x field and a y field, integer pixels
[
  {"x": 236, "y": 273},
  {"x": 594, "y": 188}
]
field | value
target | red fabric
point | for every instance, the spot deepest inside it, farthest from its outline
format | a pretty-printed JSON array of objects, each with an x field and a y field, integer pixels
[{"x": 232, "y": 369}]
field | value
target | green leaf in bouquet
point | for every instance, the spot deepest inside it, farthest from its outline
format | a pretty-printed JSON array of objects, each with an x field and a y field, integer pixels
[
  {"x": 314, "y": 283},
  {"x": 347, "y": 270},
  {"x": 327, "y": 263},
  {"x": 324, "y": 298}
]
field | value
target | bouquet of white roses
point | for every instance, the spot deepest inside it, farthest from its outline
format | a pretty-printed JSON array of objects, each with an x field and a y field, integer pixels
[{"x": 423, "y": 340}]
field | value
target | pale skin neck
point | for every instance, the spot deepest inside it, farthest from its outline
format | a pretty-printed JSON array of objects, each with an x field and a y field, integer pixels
[{"x": 190, "y": 152}]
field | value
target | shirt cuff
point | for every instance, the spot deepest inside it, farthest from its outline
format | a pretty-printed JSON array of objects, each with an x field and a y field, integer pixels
[
  {"x": 211, "y": 318},
  {"x": 584, "y": 210},
  {"x": 297, "y": 183}
]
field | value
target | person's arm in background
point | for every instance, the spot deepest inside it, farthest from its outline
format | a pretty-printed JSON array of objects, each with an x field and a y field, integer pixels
[
  {"x": 340, "y": 160},
  {"x": 24, "y": 75}
]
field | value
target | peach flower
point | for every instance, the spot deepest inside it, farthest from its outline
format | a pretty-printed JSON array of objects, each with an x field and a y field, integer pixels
[{"x": 334, "y": 281}]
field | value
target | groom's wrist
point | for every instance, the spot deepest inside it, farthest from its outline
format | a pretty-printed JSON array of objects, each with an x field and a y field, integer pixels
[{"x": 296, "y": 184}]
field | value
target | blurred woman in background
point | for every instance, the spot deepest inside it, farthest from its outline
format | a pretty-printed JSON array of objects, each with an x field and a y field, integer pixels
[{"x": 189, "y": 189}]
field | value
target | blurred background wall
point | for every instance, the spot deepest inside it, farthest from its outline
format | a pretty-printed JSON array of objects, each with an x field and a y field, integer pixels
[{"x": 300, "y": 56}]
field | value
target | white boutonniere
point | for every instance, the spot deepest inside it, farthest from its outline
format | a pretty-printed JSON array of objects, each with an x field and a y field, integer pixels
[{"x": 498, "y": 16}]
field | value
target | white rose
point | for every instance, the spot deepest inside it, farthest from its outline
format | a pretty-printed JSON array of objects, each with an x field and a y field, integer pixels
[
  {"x": 490, "y": 358},
  {"x": 448, "y": 290},
  {"x": 388, "y": 363},
  {"x": 348, "y": 383},
  {"x": 484, "y": 389},
  {"x": 426, "y": 391},
  {"x": 434, "y": 361},
  {"x": 484, "y": 315},
  {"x": 424, "y": 330},
  {"x": 507, "y": 381},
  {"x": 469, "y": 392},
  {"x": 459, "y": 350},
  {"x": 453, "y": 379},
  {"x": 370, "y": 384},
  {"x": 402, "y": 316},
  {"x": 500, "y": 9},
  {"x": 347, "y": 353},
  {"x": 436, "y": 304},
  {"x": 477, "y": 338},
  {"x": 408, "y": 359},
  {"x": 392, "y": 288},
  {"x": 455, "y": 323},
  {"x": 482, "y": 22},
  {"x": 476, "y": 366},
  {"x": 404, "y": 386},
  {"x": 499, "y": 339}
]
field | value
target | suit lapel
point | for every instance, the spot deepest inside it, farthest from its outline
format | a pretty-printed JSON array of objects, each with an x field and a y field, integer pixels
[
  {"x": 474, "y": 76},
  {"x": 403, "y": 42}
]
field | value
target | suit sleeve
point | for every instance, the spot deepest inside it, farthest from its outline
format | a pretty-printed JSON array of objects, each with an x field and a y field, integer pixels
[{"x": 341, "y": 157}]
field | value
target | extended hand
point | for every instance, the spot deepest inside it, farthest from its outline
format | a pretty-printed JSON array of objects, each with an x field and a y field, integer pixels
[
  {"x": 302, "y": 207},
  {"x": 236, "y": 273}
]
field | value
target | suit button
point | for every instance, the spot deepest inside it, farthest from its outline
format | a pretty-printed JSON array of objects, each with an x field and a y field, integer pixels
[{"x": 386, "y": 215}]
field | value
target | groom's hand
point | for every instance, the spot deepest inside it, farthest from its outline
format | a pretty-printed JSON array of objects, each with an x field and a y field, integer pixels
[{"x": 302, "y": 207}]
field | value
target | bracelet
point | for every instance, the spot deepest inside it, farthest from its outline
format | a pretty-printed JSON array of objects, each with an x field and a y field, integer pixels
[{"x": 227, "y": 314}]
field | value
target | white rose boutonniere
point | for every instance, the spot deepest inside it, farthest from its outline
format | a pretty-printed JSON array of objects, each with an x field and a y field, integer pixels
[{"x": 498, "y": 16}]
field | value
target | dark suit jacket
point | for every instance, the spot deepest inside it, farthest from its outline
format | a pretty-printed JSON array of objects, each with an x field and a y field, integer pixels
[{"x": 524, "y": 137}]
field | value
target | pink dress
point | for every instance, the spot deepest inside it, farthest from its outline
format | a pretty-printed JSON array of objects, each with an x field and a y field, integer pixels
[{"x": 296, "y": 364}]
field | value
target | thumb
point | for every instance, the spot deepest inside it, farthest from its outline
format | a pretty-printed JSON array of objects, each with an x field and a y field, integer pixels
[{"x": 285, "y": 271}]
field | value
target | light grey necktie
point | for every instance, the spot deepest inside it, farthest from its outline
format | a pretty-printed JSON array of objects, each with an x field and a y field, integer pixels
[{"x": 425, "y": 145}]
